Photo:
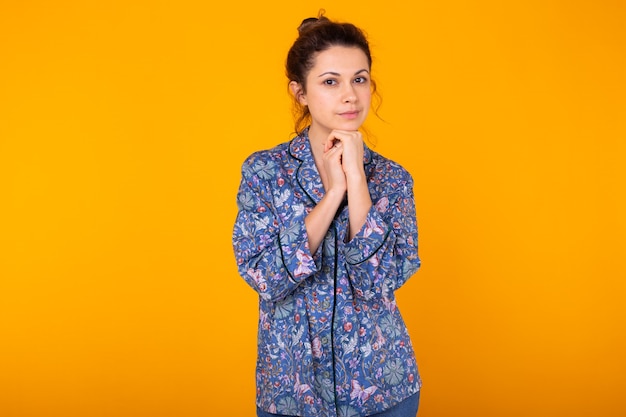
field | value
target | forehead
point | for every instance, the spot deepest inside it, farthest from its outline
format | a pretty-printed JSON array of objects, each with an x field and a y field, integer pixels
[{"x": 340, "y": 59}]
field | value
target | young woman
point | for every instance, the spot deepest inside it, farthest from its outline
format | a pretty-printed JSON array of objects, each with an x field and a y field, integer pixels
[{"x": 325, "y": 233}]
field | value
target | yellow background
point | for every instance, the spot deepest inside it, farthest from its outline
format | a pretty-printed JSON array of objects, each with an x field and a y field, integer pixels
[{"x": 123, "y": 125}]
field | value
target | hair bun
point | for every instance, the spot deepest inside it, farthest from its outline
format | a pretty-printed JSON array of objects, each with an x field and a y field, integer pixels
[
  {"x": 311, "y": 21},
  {"x": 306, "y": 23}
]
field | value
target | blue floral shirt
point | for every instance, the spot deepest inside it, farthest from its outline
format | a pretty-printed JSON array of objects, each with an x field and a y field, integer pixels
[{"x": 331, "y": 340}]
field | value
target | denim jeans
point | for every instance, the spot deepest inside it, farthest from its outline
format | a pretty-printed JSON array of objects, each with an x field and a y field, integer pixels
[{"x": 407, "y": 408}]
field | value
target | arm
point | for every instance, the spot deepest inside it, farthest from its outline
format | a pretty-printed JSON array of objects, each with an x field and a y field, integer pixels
[
  {"x": 349, "y": 169},
  {"x": 319, "y": 219},
  {"x": 359, "y": 202},
  {"x": 272, "y": 254},
  {"x": 383, "y": 255}
]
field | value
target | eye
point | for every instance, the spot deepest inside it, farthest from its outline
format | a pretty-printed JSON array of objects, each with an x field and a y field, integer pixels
[
  {"x": 360, "y": 80},
  {"x": 330, "y": 81}
]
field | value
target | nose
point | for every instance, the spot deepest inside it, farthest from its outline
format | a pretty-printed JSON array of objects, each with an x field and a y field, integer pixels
[{"x": 349, "y": 95}]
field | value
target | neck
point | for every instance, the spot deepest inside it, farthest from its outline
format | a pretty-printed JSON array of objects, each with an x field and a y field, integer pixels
[{"x": 317, "y": 138}]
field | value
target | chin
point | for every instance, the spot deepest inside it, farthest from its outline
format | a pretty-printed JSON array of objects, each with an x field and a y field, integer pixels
[{"x": 353, "y": 125}]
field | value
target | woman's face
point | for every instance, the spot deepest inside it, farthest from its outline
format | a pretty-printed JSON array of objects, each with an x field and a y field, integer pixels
[{"x": 338, "y": 90}]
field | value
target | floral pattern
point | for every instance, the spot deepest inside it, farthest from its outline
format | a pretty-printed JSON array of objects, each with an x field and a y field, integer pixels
[{"x": 331, "y": 339}]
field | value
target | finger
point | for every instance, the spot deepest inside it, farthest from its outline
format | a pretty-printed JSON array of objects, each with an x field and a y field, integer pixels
[
  {"x": 333, "y": 158},
  {"x": 348, "y": 138},
  {"x": 336, "y": 147},
  {"x": 330, "y": 143},
  {"x": 335, "y": 137},
  {"x": 344, "y": 134}
]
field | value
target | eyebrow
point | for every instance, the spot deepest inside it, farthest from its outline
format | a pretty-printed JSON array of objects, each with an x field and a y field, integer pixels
[{"x": 337, "y": 74}]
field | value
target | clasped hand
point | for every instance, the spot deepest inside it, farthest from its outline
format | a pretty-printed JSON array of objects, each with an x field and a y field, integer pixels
[{"x": 343, "y": 158}]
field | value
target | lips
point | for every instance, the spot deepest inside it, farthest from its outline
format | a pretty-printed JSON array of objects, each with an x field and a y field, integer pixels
[{"x": 350, "y": 114}]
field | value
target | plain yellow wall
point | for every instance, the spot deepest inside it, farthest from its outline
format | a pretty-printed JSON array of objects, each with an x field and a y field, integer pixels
[{"x": 123, "y": 125}]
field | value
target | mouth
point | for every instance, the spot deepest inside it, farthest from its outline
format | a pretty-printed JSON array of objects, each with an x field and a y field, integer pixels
[{"x": 350, "y": 114}]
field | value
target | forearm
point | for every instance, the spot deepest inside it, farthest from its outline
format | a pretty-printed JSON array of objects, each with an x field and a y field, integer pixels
[
  {"x": 359, "y": 203},
  {"x": 384, "y": 251},
  {"x": 319, "y": 219}
]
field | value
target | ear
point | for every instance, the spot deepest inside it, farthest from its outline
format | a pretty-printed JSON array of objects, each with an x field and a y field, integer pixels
[{"x": 298, "y": 92}]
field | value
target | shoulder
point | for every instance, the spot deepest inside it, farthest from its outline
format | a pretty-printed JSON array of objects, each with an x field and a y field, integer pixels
[
  {"x": 264, "y": 163},
  {"x": 389, "y": 170}
]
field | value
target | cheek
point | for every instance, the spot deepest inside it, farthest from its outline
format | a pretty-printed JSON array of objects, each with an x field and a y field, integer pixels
[
  {"x": 317, "y": 100},
  {"x": 366, "y": 97}
]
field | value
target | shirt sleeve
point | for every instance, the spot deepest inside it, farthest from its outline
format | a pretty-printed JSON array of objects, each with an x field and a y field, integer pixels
[
  {"x": 272, "y": 250},
  {"x": 383, "y": 255}
]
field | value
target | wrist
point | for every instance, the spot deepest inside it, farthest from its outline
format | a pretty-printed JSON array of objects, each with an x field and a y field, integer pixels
[
  {"x": 356, "y": 177},
  {"x": 335, "y": 194}
]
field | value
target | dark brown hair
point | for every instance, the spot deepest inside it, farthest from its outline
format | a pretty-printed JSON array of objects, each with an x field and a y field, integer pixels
[{"x": 317, "y": 34}]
